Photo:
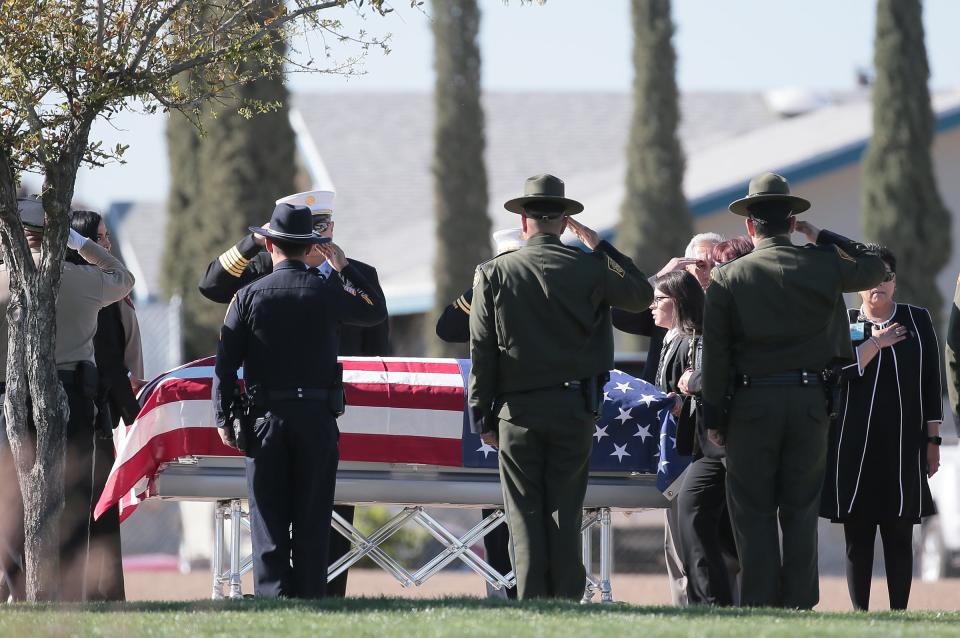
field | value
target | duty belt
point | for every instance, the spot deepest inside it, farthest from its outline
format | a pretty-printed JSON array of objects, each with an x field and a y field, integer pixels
[
  {"x": 263, "y": 397},
  {"x": 797, "y": 377}
]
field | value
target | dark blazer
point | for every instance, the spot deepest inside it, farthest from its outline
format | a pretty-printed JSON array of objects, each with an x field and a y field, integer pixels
[
  {"x": 641, "y": 323},
  {"x": 109, "y": 343}
]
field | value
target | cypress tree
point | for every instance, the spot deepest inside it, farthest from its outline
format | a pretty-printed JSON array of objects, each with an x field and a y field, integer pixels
[
  {"x": 655, "y": 223},
  {"x": 460, "y": 179},
  {"x": 220, "y": 185},
  {"x": 902, "y": 207}
]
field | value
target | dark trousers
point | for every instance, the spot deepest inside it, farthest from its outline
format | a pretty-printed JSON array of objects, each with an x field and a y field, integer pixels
[
  {"x": 776, "y": 460},
  {"x": 897, "y": 539},
  {"x": 340, "y": 546},
  {"x": 704, "y": 524},
  {"x": 77, "y": 504},
  {"x": 105, "y": 563},
  {"x": 497, "y": 546},
  {"x": 291, "y": 461},
  {"x": 544, "y": 452}
]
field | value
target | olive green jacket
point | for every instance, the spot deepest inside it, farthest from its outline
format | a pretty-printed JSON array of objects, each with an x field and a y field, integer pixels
[
  {"x": 952, "y": 349},
  {"x": 541, "y": 316},
  {"x": 778, "y": 309}
]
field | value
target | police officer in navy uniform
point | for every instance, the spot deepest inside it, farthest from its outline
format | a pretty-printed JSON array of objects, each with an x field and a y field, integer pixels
[
  {"x": 284, "y": 330},
  {"x": 247, "y": 261}
]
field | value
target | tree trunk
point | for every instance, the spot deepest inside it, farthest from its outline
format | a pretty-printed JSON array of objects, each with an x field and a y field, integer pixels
[
  {"x": 33, "y": 388},
  {"x": 459, "y": 175},
  {"x": 902, "y": 207}
]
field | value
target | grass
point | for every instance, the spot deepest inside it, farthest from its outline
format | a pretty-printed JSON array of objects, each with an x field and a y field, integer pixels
[{"x": 396, "y": 618}]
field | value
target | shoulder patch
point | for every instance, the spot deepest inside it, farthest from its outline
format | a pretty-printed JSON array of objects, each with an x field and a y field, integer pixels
[
  {"x": 844, "y": 255},
  {"x": 615, "y": 267}
]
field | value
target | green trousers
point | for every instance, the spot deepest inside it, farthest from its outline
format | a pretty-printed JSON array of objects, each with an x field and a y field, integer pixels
[
  {"x": 776, "y": 458},
  {"x": 545, "y": 443}
]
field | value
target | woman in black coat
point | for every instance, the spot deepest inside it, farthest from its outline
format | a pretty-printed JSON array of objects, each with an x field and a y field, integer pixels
[{"x": 886, "y": 442}]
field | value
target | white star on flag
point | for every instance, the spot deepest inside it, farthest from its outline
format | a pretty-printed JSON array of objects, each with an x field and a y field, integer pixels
[
  {"x": 643, "y": 431},
  {"x": 486, "y": 449},
  {"x": 647, "y": 399},
  {"x": 662, "y": 467},
  {"x": 623, "y": 387},
  {"x": 624, "y": 415},
  {"x": 606, "y": 397},
  {"x": 673, "y": 440},
  {"x": 600, "y": 433},
  {"x": 620, "y": 452}
]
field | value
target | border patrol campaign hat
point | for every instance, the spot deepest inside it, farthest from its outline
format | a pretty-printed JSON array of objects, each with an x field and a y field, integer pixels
[
  {"x": 31, "y": 213},
  {"x": 768, "y": 187},
  {"x": 291, "y": 223},
  {"x": 319, "y": 202},
  {"x": 544, "y": 188}
]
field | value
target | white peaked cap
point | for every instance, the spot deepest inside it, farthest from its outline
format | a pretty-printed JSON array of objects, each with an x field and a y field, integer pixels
[
  {"x": 507, "y": 239},
  {"x": 319, "y": 202}
]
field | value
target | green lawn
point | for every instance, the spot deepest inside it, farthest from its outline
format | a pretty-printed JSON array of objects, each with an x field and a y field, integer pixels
[{"x": 395, "y": 618}]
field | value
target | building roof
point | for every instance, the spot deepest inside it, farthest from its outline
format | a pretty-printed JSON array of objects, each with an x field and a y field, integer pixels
[{"x": 376, "y": 149}]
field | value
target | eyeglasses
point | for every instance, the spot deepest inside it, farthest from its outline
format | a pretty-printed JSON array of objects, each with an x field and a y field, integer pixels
[
  {"x": 889, "y": 276},
  {"x": 658, "y": 299}
]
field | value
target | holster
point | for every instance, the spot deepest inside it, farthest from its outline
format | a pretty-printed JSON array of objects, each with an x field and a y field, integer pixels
[
  {"x": 241, "y": 415},
  {"x": 832, "y": 390},
  {"x": 336, "y": 399},
  {"x": 87, "y": 379},
  {"x": 592, "y": 388}
]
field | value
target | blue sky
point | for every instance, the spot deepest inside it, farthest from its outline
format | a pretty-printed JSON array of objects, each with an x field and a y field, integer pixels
[{"x": 580, "y": 45}]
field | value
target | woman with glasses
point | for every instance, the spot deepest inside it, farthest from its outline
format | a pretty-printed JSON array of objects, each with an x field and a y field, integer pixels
[
  {"x": 885, "y": 443},
  {"x": 677, "y": 308}
]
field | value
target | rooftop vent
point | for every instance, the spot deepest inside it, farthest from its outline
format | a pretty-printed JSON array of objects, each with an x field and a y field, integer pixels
[{"x": 792, "y": 101}]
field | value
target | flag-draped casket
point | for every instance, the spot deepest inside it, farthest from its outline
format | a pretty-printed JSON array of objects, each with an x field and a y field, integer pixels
[{"x": 400, "y": 411}]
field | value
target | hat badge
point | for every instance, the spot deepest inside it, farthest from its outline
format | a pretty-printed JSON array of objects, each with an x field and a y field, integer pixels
[{"x": 311, "y": 200}]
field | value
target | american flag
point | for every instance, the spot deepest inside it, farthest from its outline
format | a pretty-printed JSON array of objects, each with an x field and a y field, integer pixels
[{"x": 399, "y": 410}]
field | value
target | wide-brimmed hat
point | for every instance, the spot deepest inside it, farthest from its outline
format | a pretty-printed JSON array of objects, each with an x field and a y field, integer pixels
[
  {"x": 291, "y": 224},
  {"x": 768, "y": 187},
  {"x": 544, "y": 188}
]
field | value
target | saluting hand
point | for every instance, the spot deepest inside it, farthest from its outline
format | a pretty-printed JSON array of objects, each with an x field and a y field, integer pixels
[
  {"x": 260, "y": 240},
  {"x": 490, "y": 438},
  {"x": 677, "y": 263},
  {"x": 810, "y": 231},
  {"x": 587, "y": 236},
  {"x": 334, "y": 254}
]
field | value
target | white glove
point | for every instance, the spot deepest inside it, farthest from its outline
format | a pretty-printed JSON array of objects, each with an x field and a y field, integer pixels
[{"x": 75, "y": 240}]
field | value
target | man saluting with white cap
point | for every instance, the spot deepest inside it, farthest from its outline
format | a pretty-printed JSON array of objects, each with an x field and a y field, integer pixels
[{"x": 247, "y": 261}]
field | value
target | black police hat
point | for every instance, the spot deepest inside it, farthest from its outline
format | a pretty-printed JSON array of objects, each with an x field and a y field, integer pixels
[
  {"x": 292, "y": 224},
  {"x": 31, "y": 214}
]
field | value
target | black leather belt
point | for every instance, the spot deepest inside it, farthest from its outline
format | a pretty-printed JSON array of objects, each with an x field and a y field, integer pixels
[
  {"x": 798, "y": 377},
  {"x": 296, "y": 394}
]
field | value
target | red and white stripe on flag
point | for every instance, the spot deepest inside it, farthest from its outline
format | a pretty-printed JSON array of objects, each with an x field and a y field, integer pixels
[{"x": 399, "y": 411}]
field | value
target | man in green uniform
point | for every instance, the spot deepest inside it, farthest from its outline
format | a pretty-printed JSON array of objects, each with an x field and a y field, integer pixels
[
  {"x": 774, "y": 320},
  {"x": 541, "y": 344}
]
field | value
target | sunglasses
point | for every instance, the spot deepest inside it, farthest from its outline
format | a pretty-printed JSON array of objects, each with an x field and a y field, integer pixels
[{"x": 889, "y": 276}]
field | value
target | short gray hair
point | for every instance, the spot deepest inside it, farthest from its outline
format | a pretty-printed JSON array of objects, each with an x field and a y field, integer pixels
[{"x": 701, "y": 238}]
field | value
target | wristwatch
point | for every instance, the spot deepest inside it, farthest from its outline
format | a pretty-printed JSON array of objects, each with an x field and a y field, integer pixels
[{"x": 936, "y": 440}]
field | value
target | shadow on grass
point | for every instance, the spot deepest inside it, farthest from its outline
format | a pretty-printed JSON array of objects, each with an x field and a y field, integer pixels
[{"x": 473, "y": 605}]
